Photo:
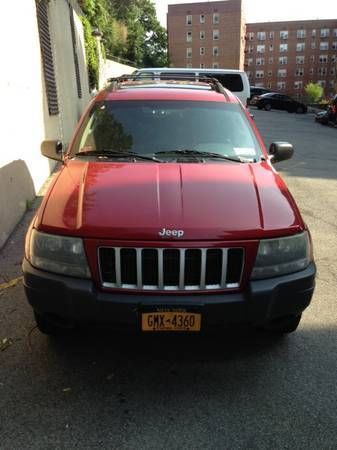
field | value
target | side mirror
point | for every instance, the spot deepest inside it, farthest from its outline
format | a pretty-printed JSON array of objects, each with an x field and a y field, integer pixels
[
  {"x": 52, "y": 150},
  {"x": 280, "y": 151}
]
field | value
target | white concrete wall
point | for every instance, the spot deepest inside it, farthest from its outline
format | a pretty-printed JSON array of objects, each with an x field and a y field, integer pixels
[
  {"x": 24, "y": 118},
  {"x": 110, "y": 69}
]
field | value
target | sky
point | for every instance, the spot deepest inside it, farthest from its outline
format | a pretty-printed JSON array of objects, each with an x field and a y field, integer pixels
[{"x": 270, "y": 10}]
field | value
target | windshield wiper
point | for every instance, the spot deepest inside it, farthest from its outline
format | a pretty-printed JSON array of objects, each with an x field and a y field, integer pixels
[
  {"x": 188, "y": 152},
  {"x": 117, "y": 154}
]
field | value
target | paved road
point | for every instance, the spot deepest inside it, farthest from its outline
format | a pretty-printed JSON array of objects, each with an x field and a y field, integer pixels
[{"x": 239, "y": 391}]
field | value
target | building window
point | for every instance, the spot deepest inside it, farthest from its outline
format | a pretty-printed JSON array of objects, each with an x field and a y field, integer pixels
[
  {"x": 334, "y": 32},
  {"x": 312, "y": 58},
  {"x": 47, "y": 57},
  {"x": 283, "y": 48},
  {"x": 215, "y": 65},
  {"x": 313, "y": 33},
  {"x": 299, "y": 59},
  {"x": 299, "y": 72},
  {"x": 311, "y": 71},
  {"x": 324, "y": 45},
  {"x": 261, "y": 36},
  {"x": 322, "y": 83},
  {"x": 216, "y": 35},
  {"x": 189, "y": 36},
  {"x": 270, "y": 60},
  {"x": 216, "y": 18},
  {"x": 202, "y": 18},
  {"x": 249, "y": 62},
  {"x": 300, "y": 47},
  {"x": 260, "y": 61},
  {"x": 189, "y": 19},
  {"x": 322, "y": 71},
  {"x": 202, "y": 66},
  {"x": 215, "y": 51},
  {"x": 333, "y": 58},
  {"x": 269, "y": 85},
  {"x": 202, "y": 51},
  {"x": 250, "y": 36},
  {"x": 333, "y": 71},
  {"x": 282, "y": 73},
  {"x": 284, "y": 34},
  {"x": 202, "y": 35},
  {"x": 259, "y": 74},
  {"x": 298, "y": 84},
  {"x": 270, "y": 73},
  {"x": 325, "y": 32},
  {"x": 332, "y": 84},
  {"x": 250, "y": 49},
  {"x": 189, "y": 52},
  {"x": 260, "y": 48},
  {"x": 281, "y": 85},
  {"x": 271, "y": 35},
  {"x": 301, "y": 34},
  {"x": 313, "y": 45},
  {"x": 334, "y": 45},
  {"x": 283, "y": 60},
  {"x": 271, "y": 47},
  {"x": 323, "y": 59}
]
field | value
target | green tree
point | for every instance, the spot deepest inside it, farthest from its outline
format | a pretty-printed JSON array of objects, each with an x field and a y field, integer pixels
[
  {"x": 130, "y": 30},
  {"x": 314, "y": 92}
]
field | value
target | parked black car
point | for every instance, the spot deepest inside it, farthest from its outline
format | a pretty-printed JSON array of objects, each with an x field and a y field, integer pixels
[
  {"x": 275, "y": 100},
  {"x": 254, "y": 91}
]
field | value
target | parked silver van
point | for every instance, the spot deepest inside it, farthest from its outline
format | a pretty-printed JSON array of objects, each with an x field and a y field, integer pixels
[{"x": 233, "y": 80}]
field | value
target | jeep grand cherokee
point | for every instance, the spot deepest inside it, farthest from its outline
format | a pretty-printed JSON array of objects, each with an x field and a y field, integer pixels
[{"x": 168, "y": 215}]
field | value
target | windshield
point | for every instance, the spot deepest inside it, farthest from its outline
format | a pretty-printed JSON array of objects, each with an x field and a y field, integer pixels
[{"x": 148, "y": 127}]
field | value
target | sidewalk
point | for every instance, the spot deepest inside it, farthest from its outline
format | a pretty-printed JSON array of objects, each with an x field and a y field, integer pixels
[{"x": 11, "y": 253}]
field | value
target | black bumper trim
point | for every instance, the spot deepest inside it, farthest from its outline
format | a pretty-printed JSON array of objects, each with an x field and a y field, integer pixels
[{"x": 79, "y": 299}]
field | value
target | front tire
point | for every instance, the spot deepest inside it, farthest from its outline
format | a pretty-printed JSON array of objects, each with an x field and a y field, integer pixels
[
  {"x": 267, "y": 106},
  {"x": 283, "y": 325}
]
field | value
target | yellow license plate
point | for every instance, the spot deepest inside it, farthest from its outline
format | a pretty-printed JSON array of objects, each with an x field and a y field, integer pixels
[{"x": 171, "y": 321}]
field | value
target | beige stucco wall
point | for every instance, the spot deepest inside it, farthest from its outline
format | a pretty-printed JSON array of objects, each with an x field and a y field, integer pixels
[
  {"x": 110, "y": 69},
  {"x": 24, "y": 117}
]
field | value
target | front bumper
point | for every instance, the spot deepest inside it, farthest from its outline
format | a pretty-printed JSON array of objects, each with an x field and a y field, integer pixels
[{"x": 78, "y": 300}]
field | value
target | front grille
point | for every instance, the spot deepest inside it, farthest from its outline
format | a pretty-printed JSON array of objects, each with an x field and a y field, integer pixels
[{"x": 171, "y": 269}]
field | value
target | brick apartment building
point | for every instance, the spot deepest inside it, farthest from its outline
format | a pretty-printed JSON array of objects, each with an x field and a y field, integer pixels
[
  {"x": 285, "y": 56},
  {"x": 206, "y": 34}
]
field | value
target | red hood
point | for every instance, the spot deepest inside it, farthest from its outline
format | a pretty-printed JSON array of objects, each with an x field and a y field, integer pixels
[{"x": 134, "y": 201}]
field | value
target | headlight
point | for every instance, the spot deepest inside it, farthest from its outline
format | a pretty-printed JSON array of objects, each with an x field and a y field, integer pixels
[
  {"x": 277, "y": 257},
  {"x": 58, "y": 254}
]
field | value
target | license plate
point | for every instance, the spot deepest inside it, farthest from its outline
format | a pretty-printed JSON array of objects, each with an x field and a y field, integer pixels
[{"x": 171, "y": 321}]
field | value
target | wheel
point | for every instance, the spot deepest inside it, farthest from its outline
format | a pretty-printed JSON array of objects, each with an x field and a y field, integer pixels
[
  {"x": 283, "y": 325},
  {"x": 50, "y": 327},
  {"x": 267, "y": 106},
  {"x": 300, "y": 110}
]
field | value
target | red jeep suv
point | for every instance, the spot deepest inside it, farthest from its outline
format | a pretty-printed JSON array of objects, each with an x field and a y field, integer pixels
[{"x": 168, "y": 215}]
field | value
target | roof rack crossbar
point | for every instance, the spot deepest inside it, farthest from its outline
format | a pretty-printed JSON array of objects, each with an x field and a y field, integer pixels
[{"x": 211, "y": 81}]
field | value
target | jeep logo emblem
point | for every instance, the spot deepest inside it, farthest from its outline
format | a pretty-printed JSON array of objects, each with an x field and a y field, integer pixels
[{"x": 174, "y": 233}]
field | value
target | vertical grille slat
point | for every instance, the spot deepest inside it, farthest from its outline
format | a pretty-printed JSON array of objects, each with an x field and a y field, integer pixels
[
  {"x": 182, "y": 269},
  {"x": 160, "y": 269},
  {"x": 163, "y": 269},
  {"x": 118, "y": 267},
  {"x": 203, "y": 269}
]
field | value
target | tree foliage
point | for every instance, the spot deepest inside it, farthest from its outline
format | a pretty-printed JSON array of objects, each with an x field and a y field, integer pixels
[
  {"x": 130, "y": 30},
  {"x": 314, "y": 92}
]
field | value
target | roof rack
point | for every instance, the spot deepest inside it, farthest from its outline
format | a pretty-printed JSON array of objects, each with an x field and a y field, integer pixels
[{"x": 145, "y": 78}]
